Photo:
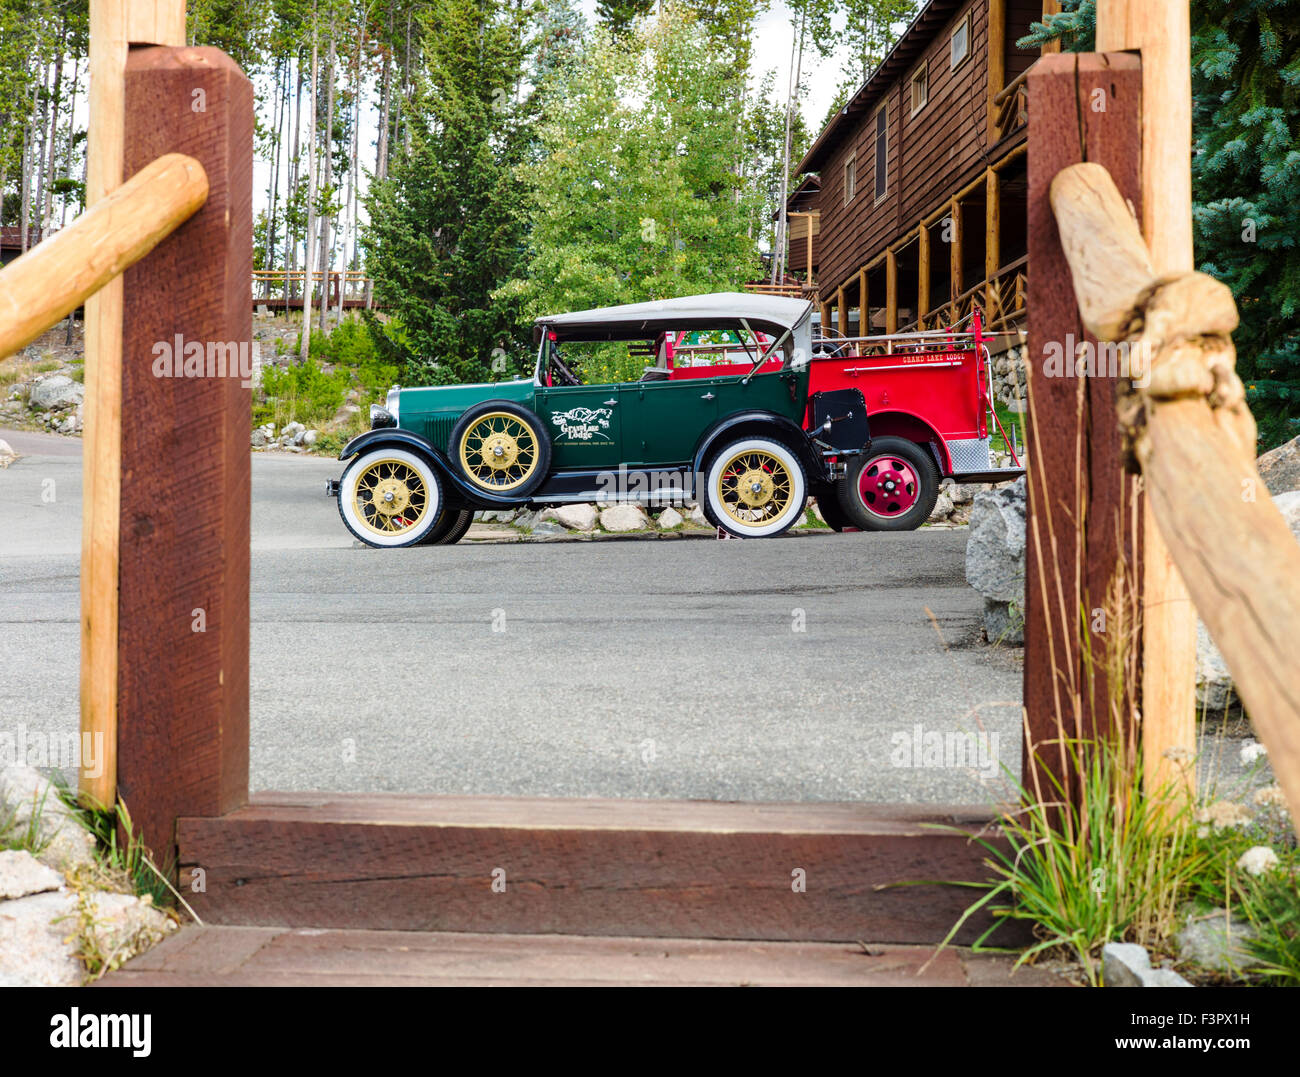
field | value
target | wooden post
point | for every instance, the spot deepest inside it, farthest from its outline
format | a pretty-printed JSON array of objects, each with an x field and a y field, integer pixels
[
  {"x": 864, "y": 306},
  {"x": 825, "y": 315},
  {"x": 184, "y": 564},
  {"x": 997, "y": 54},
  {"x": 891, "y": 291},
  {"x": 841, "y": 312},
  {"x": 1053, "y": 7},
  {"x": 954, "y": 258},
  {"x": 1160, "y": 29},
  {"x": 922, "y": 275},
  {"x": 992, "y": 242},
  {"x": 1083, "y": 531},
  {"x": 113, "y": 23}
]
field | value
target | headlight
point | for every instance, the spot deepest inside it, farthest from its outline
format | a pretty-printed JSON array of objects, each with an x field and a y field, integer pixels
[{"x": 381, "y": 417}]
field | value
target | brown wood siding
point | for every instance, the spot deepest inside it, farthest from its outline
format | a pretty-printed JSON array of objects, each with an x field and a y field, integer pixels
[
  {"x": 930, "y": 155},
  {"x": 797, "y": 262},
  {"x": 1020, "y": 13}
]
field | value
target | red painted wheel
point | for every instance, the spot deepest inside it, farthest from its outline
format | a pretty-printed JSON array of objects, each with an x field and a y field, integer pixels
[{"x": 891, "y": 487}]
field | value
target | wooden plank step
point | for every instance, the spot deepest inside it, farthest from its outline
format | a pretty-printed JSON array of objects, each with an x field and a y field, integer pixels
[
  {"x": 231, "y": 956},
  {"x": 536, "y": 865}
]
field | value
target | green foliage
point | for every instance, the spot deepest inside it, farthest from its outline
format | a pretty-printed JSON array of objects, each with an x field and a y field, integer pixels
[
  {"x": 1245, "y": 172},
  {"x": 1075, "y": 26},
  {"x": 309, "y": 393},
  {"x": 1271, "y": 903},
  {"x": 1114, "y": 867},
  {"x": 620, "y": 15},
  {"x": 1245, "y": 168},
  {"x": 636, "y": 195},
  {"x": 446, "y": 226}
]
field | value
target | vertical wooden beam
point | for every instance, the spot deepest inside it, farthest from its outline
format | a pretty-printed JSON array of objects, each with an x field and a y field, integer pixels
[
  {"x": 891, "y": 291},
  {"x": 997, "y": 54},
  {"x": 992, "y": 239},
  {"x": 113, "y": 24},
  {"x": 954, "y": 259},
  {"x": 1160, "y": 29},
  {"x": 864, "y": 305},
  {"x": 184, "y": 604},
  {"x": 825, "y": 315},
  {"x": 1053, "y": 7},
  {"x": 841, "y": 312},
  {"x": 1083, "y": 537},
  {"x": 922, "y": 275}
]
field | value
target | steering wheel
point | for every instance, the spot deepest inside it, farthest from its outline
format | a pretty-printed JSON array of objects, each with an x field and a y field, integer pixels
[{"x": 567, "y": 377}]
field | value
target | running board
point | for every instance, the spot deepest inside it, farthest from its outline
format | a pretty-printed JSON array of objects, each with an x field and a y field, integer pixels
[{"x": 997, "y": 474}]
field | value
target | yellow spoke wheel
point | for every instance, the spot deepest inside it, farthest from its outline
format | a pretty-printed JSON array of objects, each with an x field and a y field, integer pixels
[
  {"x": 391, "y": 496},
  {"x": 754, "y": 487},
  {"x": 499, "y": 451}
]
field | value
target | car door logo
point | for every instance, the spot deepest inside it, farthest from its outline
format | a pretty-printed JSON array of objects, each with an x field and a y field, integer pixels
[{"x": 583, "y": 424}]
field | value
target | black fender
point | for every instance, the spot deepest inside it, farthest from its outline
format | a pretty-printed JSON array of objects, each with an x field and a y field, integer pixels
[
  {"x": 763, "y": 424},
  {"x": 460, "y": 489}
]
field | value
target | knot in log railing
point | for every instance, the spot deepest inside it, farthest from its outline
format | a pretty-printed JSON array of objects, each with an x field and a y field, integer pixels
[{"x": 1189, "y": 432}]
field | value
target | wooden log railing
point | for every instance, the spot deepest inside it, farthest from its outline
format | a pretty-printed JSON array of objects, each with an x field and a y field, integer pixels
[
  {"x": 1188, "y": 429},
  {"x": 59, "y": 274}
]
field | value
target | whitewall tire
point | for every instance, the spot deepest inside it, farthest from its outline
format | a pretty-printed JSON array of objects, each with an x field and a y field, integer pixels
[
  {"x": 389, "y": 497},
  {"x": 756, "y": 488}
]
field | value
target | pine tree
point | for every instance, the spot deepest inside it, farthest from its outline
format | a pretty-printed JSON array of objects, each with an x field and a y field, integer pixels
[
  {"x": 446, "y": 226},
  {"x": 621, "y": 15},
  {"x": 1245, "y": 172}
]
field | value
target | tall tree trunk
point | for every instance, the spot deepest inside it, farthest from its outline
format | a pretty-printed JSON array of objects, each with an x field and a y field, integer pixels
[
  {"x": 309, "y": 245},
  {"x": 326, "y": 220},
  {"x": 47, "y": 212},
  {"x": 792, "y": 93}
]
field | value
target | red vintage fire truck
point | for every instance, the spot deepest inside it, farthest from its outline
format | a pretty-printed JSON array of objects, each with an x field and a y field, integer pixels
[{"x": 929, "y": 407}]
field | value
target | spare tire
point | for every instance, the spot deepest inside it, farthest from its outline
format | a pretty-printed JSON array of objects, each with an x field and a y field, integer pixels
[{"x": 501, "y": 447}]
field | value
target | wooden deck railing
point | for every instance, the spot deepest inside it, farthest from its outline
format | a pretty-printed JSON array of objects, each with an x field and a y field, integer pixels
[
  {"x": 58, "y": 275},
  {"x": 1189, "y": 430}
]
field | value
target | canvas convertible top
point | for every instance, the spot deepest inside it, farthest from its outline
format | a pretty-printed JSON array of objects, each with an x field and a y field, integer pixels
[{"x": 720, "y": 310}]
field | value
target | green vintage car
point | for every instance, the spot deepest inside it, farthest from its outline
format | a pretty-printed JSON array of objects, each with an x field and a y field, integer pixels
[{"x": 736, "y": 441}]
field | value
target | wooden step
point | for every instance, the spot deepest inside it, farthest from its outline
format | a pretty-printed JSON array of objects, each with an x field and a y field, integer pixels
[
  {"x": 277, "y": 957},
  {"x": 536, "y": 865}
]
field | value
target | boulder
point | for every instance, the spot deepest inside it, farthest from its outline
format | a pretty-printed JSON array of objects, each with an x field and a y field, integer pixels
[
  {"x": 1125, "y": 964},
  {"x": 24, "y": 795},
  {"x": 22, "y": 874},
  {"x": 577, "y": 517},
  {"x": 55, "y": 393},
  {"x": 1216, "y": 941},
  {"x": 995, "y": 559},
  {"x": 34, "y": 951},
  {"x": 7, "y": 454},
  {"x": 669, "y": 519},
  {"x": 258, "y": 438},
  {"x": 697, "y": 517},
  {"x": 547, "y": 528},
  {"x": 624, "y": 518},
  {"x": 942, "y": 507},
  {"x": 1215, "y": 692},
  {"x": 1280, "y": 467},
  {"x": 310, "y": 437}
]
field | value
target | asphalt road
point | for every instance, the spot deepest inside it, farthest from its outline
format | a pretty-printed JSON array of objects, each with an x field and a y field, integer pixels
[{"x": 815, "y": 667}]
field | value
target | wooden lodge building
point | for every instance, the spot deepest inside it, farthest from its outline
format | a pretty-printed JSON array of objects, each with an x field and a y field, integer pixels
[{"x": 912, "y": 205}]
